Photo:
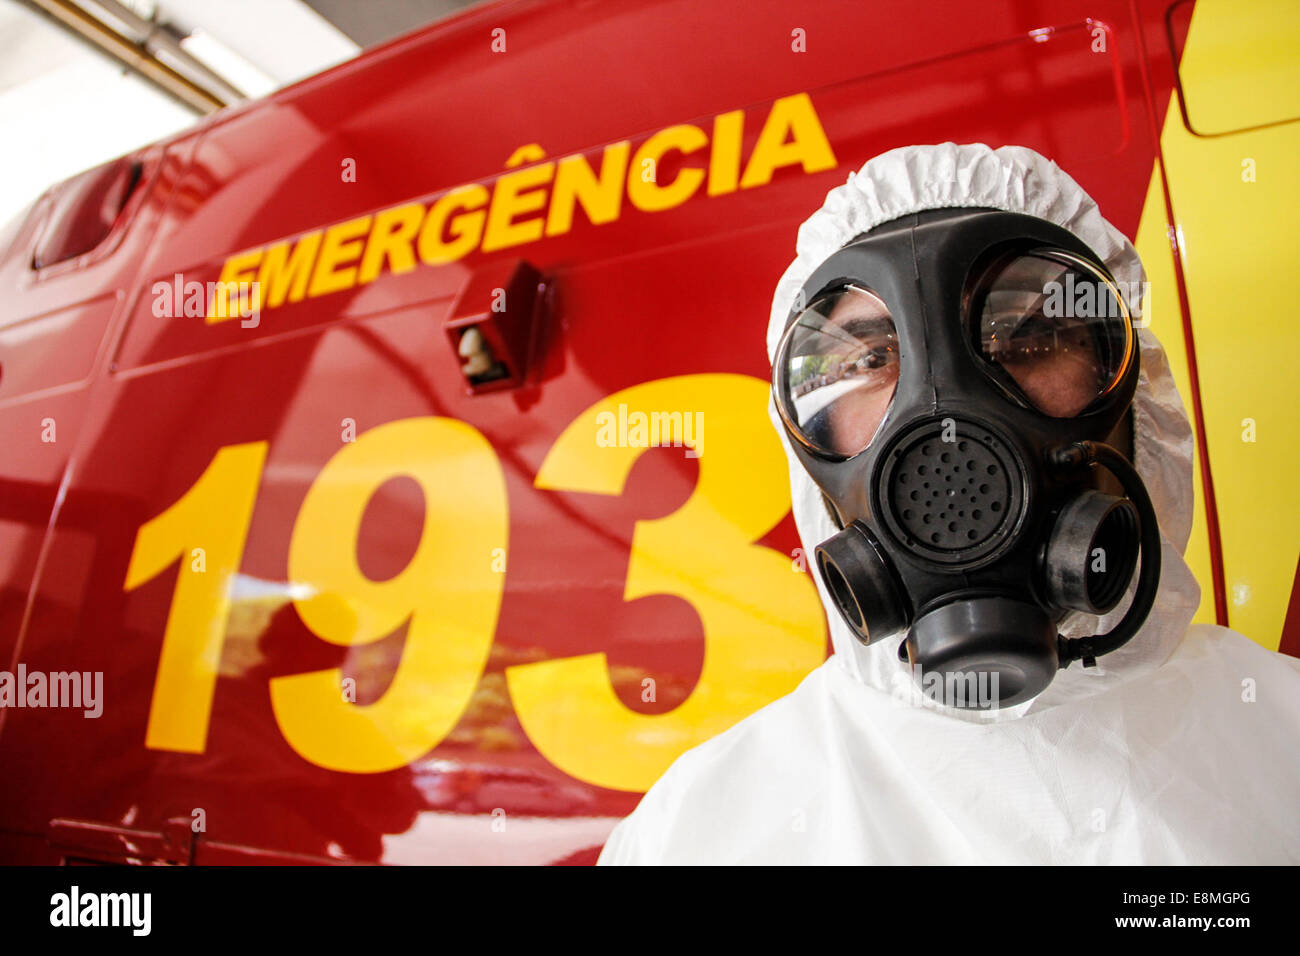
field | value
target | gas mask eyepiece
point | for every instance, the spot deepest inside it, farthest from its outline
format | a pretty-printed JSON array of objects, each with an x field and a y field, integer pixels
[{"x": 949, "y": 386}]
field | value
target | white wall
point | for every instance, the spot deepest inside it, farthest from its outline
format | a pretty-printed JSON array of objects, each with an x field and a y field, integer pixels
[{"x": 65, "y": 108}]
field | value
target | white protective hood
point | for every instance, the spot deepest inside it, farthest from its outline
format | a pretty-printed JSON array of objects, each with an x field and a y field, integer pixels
[{"x": 1183, "y": 746}]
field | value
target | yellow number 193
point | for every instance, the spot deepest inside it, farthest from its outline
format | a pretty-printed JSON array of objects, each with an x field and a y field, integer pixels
[{"x": 762, "y": 623}]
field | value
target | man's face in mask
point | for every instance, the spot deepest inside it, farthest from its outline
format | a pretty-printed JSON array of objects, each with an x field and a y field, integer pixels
[
  {"x": 949, "y": 388},
  {"x": 1025, "y": 327}
]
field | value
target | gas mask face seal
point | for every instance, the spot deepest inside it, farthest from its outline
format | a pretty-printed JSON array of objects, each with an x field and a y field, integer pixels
[{"x": 948, "y": 381}]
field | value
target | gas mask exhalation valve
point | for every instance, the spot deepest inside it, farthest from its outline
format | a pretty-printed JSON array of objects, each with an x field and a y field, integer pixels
[{"x": 949, "y": 388}]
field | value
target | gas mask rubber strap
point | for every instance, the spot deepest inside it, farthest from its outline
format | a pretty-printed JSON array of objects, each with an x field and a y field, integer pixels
[{"x": 1089, "y": 454}]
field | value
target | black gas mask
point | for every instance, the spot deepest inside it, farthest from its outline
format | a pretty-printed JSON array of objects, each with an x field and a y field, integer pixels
[{"x": 949, "y": 380}]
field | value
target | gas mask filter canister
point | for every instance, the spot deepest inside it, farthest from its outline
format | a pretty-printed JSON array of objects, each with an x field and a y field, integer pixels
[{"x": 948, "y": 380}]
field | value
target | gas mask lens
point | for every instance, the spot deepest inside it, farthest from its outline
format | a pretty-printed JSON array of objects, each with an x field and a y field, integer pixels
[
  {"x": 1056, "y": 325},
  {"x": 836, "y": 370}
]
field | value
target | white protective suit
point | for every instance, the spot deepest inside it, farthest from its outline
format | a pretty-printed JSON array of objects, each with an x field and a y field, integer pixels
[{"x": 1181, "y": 747}]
